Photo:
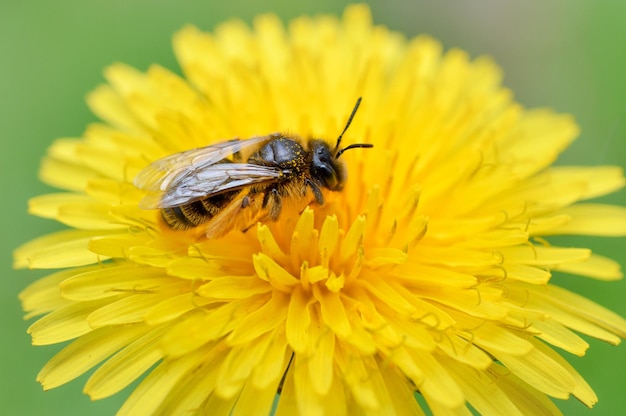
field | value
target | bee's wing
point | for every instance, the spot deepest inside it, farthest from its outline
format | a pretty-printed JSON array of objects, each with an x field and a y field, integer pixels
[
  {"x": 211, "y": 180},
  {"x": 167, "y": 172}
]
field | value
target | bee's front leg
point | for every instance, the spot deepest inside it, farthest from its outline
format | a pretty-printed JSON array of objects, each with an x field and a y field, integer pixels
[{"x": 317, "y": 193}]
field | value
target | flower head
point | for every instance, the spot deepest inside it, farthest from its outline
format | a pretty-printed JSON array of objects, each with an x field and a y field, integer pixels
[{"x": 429, "y": 272}]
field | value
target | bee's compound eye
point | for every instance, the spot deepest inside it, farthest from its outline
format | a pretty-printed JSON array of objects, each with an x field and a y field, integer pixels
[
  {"x": 323, "y": 167},
  {"x": 329, "y": 176}
]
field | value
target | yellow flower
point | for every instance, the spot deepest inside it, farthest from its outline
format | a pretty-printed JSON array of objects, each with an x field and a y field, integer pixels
[{"x": 429, "y": 273}]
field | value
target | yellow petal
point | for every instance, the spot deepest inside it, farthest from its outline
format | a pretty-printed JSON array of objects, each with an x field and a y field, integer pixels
[
  {"x": 333, "y": 312},
  {"x": 379, "y": 257},
  {"x": 465, "y": 352},
  {"x": 308, "y": 400},
  {"x": 193, "y": 267},
  {"x": 352, "y": 240},
  {"x": 527, "y": 399},
  {"x": 274, "y": 362},
  {"x": 329, "y": 238},
  {"x": 597, "y": 267},
  {"x": 44, "y": 295},
  {"x": 57, "y": 250},
  {"x": 234, "y": 287},
  {"x": 114, "y": 246},
  {"x": 111, "y": 280},
  {"x": 47, "y": 206},
  {"x": 532, "y": 152},
  {"x": 541, "y": 372},
  {"x": 85, "y": 353},
  {"x": 239, "y": 364},
  {"x": 267, "y": 269},
  {"x": 599, "y": 180},
  {"x": 262, "y": 320},
  {"x": 252, "y": 400},
  {"x": 302, "y": 237},
  {"x": 355, "y": 373},
  {"x": 298, "y": 321},
  {"x": 400, "y": 392},
  {"x": 198, "y": 328},
  {"x": 269, "y": 245},
  {"x": 109, "y": 106},
  {"x": 174, "y": 307},
  {"x": 64, "y": 324},
  {"x": 593, "y": 219},
  {"x": 320, "y": 361},
  {"x": 558, "y": 335},
  {"x": 159, "y": 384},
  {"x": 587, "y": 309},
  {"x": 130, "y": 309},
  {"x": 437, "y": 385},
  {"x": 125, "y": 366},
  {"x": 63, "y": 174},
  {"x": 543, "y": 256},
  {"x": 482, "y": 393},
  {"x": 529, "y": 274},
  {"x": 196, "y": 386}
]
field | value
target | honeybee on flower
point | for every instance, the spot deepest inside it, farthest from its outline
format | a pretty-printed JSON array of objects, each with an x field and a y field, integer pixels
[{"x": 429, "y": 273}]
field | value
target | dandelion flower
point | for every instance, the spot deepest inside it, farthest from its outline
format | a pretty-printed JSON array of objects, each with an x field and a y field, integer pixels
[{"x": 429, "y": 274}]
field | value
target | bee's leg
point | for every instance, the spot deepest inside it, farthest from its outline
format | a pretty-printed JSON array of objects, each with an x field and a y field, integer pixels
[
  {"x": 317, "y": 193},
  {"x": 245, "y": 229},
  {"x": 275, "y": 203}
]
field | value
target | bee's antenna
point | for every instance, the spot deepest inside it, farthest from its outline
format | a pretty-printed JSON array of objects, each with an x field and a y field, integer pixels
[
  {"x": 336, "y": 150},
  {"x": 353, "y": 146}
]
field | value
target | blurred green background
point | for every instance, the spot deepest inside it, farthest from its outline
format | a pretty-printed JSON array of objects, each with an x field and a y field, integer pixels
[{"x": 568, "y": 55}]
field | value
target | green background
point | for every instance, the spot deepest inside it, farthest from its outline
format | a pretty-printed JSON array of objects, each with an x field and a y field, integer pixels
[{"x": 568, "y": 55}]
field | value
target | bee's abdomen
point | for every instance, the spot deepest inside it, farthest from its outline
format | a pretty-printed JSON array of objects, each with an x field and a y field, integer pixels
[{"x": 196, "y": 213}]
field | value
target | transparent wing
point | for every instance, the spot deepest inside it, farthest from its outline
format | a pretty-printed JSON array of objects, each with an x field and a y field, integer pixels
[
  {"x": 168, "y": 172},
  {"x": 211, "y": 180}
]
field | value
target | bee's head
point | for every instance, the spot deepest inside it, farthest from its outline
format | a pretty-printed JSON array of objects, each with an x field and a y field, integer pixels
[
  {"x": 325, "y": 164},
  {"x": 325, "y": 167}
]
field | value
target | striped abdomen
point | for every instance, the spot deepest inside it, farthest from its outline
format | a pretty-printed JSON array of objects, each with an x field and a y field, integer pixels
[{"x": 196, "y": 213}]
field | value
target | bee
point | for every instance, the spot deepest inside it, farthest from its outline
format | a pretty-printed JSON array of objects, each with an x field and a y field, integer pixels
[{"x": 236, "y": 183}]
